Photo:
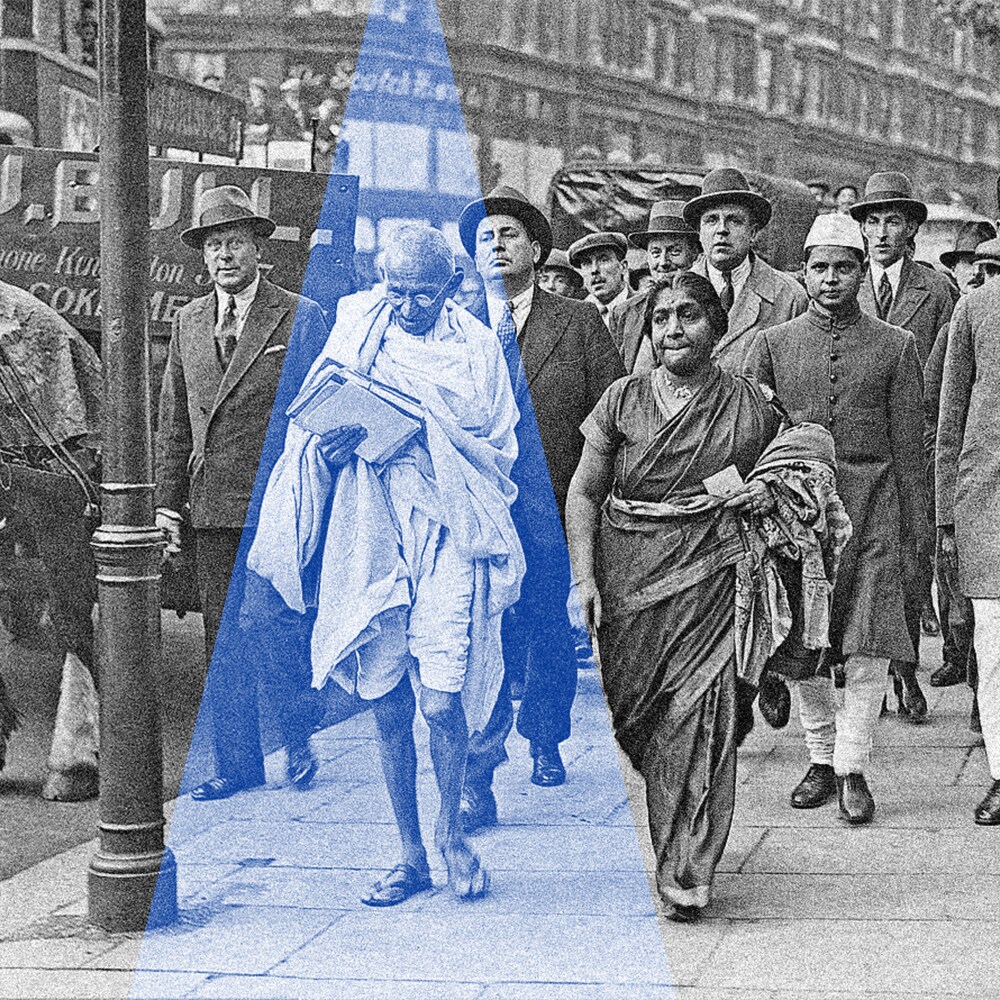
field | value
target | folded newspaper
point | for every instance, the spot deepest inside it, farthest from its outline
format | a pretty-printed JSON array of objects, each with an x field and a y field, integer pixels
[{"x": 339, "y": 396}]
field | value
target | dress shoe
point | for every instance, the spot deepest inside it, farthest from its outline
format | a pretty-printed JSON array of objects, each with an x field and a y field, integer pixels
[
  {"x": 816, "y": 788},
  {"x": 988, "y": 811},
  {"x": 856, "y": 803},
  {"x": 910, "y": 700},
  {"x": 774, "y": 701},
  {"x": 948, "y": 674},
  {"x": 548, "y": 769},
  {"x": 478, "y": 809},
  {"x": 302, "y": 764},
  {"x": 221, "y": 788}
]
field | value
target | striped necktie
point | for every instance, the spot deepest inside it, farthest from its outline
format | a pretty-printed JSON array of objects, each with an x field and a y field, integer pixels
[
  {"x": 884, "y": 298},
  {"x": 225, "y": 334}
]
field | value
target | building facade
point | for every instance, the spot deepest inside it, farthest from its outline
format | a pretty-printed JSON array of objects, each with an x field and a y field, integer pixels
[{"x": 836, "y": 88}]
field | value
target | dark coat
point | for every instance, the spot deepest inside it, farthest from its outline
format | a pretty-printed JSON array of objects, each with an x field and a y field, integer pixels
[
  {"x": 567, "y": 361},
  {"x": 968, "y": 440},
  {"x": 860, "y": 378},
  {"x": 923, "y": 304},
  {"x": 213, "y": 425},
  {"x": 768, "y": 297},
  {"x": 625, "y": 324}
]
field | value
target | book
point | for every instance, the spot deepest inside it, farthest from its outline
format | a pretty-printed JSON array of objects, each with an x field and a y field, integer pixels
[{"x": 340, "y": 396}]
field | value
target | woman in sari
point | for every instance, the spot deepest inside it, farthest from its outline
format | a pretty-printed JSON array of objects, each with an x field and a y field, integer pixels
[{"x": 653, "y": 519}]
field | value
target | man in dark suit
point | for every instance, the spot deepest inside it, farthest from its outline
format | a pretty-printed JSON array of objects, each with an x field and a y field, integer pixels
[
  {"x": 561, "y": 359},
  {"x": 236, "y": 358},
  {"x": 899, "y": 291}
]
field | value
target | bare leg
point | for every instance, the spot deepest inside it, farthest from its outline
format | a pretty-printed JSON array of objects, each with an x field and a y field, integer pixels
[
  {"x": 394, "y": 714},
  {"x": 449, "y": 750}
]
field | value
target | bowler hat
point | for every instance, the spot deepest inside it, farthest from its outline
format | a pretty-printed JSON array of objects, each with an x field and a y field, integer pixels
[
  {"x": 988, "y": 251},
  {"x": 726, "y": 185},
  {"x": 967, "y": 240},
  {"x": 560, "y": 259},
  {"x": 616, "y": 241},
  {"x": 226, "y": 205},
  {"x": 889, "y": 188},
  {"x": 504, "y": 200},
  {"x": 666, "y": 218}
]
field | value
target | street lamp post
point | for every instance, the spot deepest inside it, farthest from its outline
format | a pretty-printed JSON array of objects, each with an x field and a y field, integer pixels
[{"x": 132, "y": 877}]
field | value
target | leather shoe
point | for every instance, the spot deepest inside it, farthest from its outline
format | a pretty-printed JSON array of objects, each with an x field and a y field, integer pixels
[
  {"x": 910, "y": 700},
  {"x": 221, "y": 788},
  {"x": 302, "y": 765},
  {"x": 774, "y": 701},
  {"x": 548, "y": 769},
  {"x": 816, "y": 788},
  {"x": 856, "y": 803},
  {"x": 478, "y": 809},
  {"x": 988, "y": 811},
  {"x": 948, "y": 674}
]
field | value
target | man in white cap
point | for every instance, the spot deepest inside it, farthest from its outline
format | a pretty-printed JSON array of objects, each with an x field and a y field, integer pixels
[
  {"x": 600, "y": 259},
  {"x": 235, "y": 354},
  {"x": 727, "y": 216},
  {"x": 860, "y": 378}
]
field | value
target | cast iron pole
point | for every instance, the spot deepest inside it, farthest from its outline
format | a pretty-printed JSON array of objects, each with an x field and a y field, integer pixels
[{"x": 132, "y": 877}]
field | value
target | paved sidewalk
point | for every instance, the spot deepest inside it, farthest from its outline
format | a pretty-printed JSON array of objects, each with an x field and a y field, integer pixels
[{"x": 805, "y": 907}]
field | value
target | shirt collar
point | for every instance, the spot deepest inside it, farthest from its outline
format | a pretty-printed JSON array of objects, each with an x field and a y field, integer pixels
[
  {"x": 244, "y": 299},
  {"x": 739, "y": 274},
  {"x": 894, "y": 272},
  {"x": 520, "y": 306}
]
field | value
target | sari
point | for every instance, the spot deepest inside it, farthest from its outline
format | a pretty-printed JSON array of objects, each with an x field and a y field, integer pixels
[{"x": 666, "y": 572}]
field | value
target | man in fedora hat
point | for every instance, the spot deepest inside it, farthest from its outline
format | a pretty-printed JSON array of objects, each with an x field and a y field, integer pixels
[
  {"x": 968, "y": 497},
  {"x": 900, "y": 291},
  {"x": 670, "y": 244},
  {"x": 561, "y": 359},
  {"x": 236, "y": 358},
  {"x": 600, "y": 259},
  {"x": 860, "y": 378},
  {"x": 559, "y": 277},
  {"x": 727, "y": 216},
  {"x": 955, "y": 608}
]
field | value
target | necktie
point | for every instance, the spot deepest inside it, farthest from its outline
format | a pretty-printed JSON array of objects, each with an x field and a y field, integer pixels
[
  {"x": 225, "y": 335},
  {"x": 726, "y": 296},
  {"x": 884, "y": 300},
  {"x": 506, "y": 330}
]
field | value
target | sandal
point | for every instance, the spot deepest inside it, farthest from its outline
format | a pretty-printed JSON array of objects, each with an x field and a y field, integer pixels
[{"x": 398, "y": 886}]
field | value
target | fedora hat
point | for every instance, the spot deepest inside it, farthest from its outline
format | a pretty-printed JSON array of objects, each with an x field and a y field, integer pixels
[
  {"x": 889, "y": 188},
  {"x": 988, "y": 252},
  {"x": 559, "y": 259},
  {"x": 616, "y": 241},
  {"x": 504, "y": 200},
  {"x": 226, "y": 205},
  {"x": 666, "y": 218},
  {"x": 727, "y": 185},
  {"x": 967, "y": 240}
]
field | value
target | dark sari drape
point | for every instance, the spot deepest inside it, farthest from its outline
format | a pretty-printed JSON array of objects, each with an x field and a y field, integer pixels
[{"x": 666, "y": 558}]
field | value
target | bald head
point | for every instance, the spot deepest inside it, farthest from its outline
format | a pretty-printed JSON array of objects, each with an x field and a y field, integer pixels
[
  {"x": 419, "y": 271},
  {"x": 419, "y": 250}
]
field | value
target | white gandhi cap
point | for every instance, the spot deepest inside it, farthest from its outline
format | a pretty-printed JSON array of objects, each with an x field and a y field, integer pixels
[{"x": 835, "y": 230}]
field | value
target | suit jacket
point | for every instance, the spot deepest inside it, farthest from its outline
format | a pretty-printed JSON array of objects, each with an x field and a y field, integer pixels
[
  {"x": 216, "y": 426},
  {"x": 767, "y": 298},
  {"x": 968, "y": 440},
  {"x": 625, "y": 324},
  {"x": 922, "y": 305}
]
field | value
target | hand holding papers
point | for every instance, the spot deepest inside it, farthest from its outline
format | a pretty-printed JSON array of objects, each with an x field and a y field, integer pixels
[{"x": 339, "y": 397}]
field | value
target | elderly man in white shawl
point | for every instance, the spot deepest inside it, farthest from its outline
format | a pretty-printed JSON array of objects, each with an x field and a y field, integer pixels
[{"x": 409, "y": 565}]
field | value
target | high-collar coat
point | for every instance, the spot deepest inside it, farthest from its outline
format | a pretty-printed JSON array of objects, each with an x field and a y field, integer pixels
[
  {"x": 968, "y": 440},
  {"x": 767, "y": 298},
  {"x": 860, "y": 378},
  {"x": 215, "y": 426},
  {"x": 922, "y": 304}
]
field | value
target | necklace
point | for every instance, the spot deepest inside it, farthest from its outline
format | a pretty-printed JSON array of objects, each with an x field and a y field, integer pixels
[{"x": 678, "y": 391}]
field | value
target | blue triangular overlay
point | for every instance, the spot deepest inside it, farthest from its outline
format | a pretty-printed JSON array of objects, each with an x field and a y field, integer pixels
[{"x": 269, "y": 881}]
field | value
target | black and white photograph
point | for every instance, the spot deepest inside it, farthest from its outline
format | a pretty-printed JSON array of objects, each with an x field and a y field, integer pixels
[{"x": 499, "y": 500}]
